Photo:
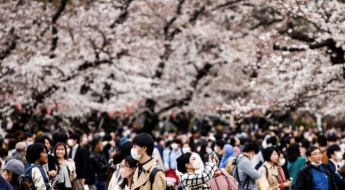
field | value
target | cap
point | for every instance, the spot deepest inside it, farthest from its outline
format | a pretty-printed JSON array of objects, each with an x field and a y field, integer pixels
[{"x": 14, "y": 166}]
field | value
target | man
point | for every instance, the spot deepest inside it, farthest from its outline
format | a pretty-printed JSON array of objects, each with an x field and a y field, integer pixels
[
  {"x": 51, "y": 165},
  {"x": 27, "y": 138},
  {"x": 20, "y": 153},
  {"x": 334, "y": 154},
  {"x": 315, "y": 176},
  {"x": 98, "y": 163},
  {"x": 170, "y": 163},
  {"x": 331, "y": 139},
  {"x": 79, "y": 155},
  {"x": 244, "y": 171},
  {"x": 142, "y": 150}
]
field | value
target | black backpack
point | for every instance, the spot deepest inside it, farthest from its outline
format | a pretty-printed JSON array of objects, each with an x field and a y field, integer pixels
[{"x": 152, "y": 178}]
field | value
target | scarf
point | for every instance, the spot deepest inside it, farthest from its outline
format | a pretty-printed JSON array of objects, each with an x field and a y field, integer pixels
[{"x": 65, "y": 178}]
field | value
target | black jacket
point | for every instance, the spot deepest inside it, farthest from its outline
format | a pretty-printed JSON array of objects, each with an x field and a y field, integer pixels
[
  {"x": 338, "y": 179},
  {"x": 305, "y": 178},
  {"x": 81, "y": 160},
  {"x": 99, "y": 165}
]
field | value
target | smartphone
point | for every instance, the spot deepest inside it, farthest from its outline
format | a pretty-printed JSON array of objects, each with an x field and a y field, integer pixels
[{"x": 291, "y": 178}]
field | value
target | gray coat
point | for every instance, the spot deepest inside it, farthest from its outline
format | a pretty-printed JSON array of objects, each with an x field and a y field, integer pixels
[{"x": 245, "y": 168}]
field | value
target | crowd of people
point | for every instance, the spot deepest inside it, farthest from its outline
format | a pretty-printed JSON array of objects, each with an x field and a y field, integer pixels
[{"x": 277, "y": 158}]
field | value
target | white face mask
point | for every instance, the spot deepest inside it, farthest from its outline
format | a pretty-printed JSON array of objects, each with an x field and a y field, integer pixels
[
  {"x": 196, "y": 164},
  {"x": 70, "y": 142},
  {"x": 216, "y": 149},
  {"x": 185, "y": 149},
  {"x": 6, "y": 141},
  {"x": 124, "y": 173},
  {"x": 102, "y": 134},
  {"x": 282, "y": 162},
  {"x": 85, "y": 139},
  {"x": 174, "y": 146},
  {"x": 198, "y": 149},
  {"x": 104, "y": 143},
  {"x": 315, "y": 164},
  {"x": 135, "y": 155},
  {"x": 209, "y": 150},
  {"x": 339, "y": 156}
]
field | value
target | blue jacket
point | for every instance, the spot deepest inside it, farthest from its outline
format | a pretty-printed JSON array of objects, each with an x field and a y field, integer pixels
[
  {"x": 338, "y": 179},
  {"x": 4, "y": 185}
]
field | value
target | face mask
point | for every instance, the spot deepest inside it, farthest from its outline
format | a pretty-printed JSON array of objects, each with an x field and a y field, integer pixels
[
  {"x": 315, "y": 164},
  {"x": 198, "y": 149},
  {"x": 186, "y": 149},
  {"x": 209, "y": 150},
  {"x": 90, "y": 138},
  {"x": 339, "y": 156},
  {"x": 104, "y": 143},
  {"x": 85, "y": 139},
  {"x": 6, "y": 141},
  {"x": 70, "y": 142},
  {"x": 282, "y": 162},
  {"x": 196, "y": 164},
  {"x": 102, "y": 134},
  {"x": 124, "y": 173},
  {"x": 135, "y": 155},
  {"x": 174, "y": 146},
  {"x": 216, "y": 149},
  {"x": 170, "y": 138},
  {"x": 30, "y": 143}
]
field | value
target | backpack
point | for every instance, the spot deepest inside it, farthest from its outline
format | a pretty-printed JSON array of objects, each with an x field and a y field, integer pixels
[
  {"x": 25, "y": 179},
  {"x": 223, "y": 182},
  {"x": 263, "y": 165},
  {"x": 152, "y": 178},
  {"x": 234, "y": 171}
]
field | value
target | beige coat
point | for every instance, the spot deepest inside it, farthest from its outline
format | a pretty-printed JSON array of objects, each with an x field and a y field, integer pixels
[
  {"x": 272, "y": 176},
  {"x": 143, "y": 183}
]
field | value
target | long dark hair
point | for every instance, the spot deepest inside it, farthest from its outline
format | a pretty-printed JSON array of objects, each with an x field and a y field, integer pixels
[
  {"x": 65, "y": 156},
  {"x": 293, "y": 152},
  {"x": 131, "y": 163}
]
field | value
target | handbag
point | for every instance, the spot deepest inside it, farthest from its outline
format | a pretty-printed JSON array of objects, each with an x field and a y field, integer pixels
[
  {"x": 77, "y": 184},
  {"x": 223, "y": 181}
]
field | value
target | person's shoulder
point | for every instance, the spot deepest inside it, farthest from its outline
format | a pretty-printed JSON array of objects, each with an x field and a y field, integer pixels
[{"x": 301, "y": 159}]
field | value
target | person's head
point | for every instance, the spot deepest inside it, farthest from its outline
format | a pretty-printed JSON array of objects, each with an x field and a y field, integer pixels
[
  {"x": 185, "y": 148},
  {"x": 332, "y": 139},
  {"x": 37, "y": 153},
  {"x": 250, "y": 149},
  {"x": 127, "y": 167},
  {"x": 143, "y": 145},
  {"x": 334, "y": 153},
  {"x": 60, "y": 151},
  {"x": 43, "y": 140},
  {"x": 28, "y": 139},
  {"x": 271, "y": 155},
  {"x": 176, "y": 144},
  {"x": 290, "y": 140},
  {"x": 322, "y": 141},
  {"x": 3, "y": 153},
  {"x": 187, "y": 162},
  {"x": 12, "y": 170},
  {"x": 293, "y": 152},
  {"x": 126, "y": 149},
  {"x": 21, "y": 147},
  {"x": 219, "y": 147},
  {"x": 281, "y": 160},
  {"x": 314, "y": 155},
  {"x": 73, "y": 139},
  {"x": 96, "y": 144}
]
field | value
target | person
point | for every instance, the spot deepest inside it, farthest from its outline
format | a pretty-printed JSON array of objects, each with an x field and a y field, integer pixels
[
  {"x": 142, "y": 150},
  {"x": 295, "y": 162},
  {"x": 3, "y": 155},
  {"x": 315, "y": 176},
  {"x": 11, "y": 171},
  {"x": 331, "y": 139},
  {"x": 227, "y": 152},
  {"x": 19, "y": 153},
  {"x": 284, "y": 184},
  {"x": 108, "y": 146},
  {"x": 90, "y": 180},
  {"x": 4, "y": 184},
  {"x": 50, "y": 166},
  {"x": 244, "y": 171},
  {"x": 334, "y": 154},
  {"x": 127, "y": 168},
  {"x": 170, "y": 162},
  {"x": 187, "y": 164},
  {"x": 269, "y": 168},
  {"x": 80, "y": 156},
  {"x": 36, "y": 157},
  {"x": 186, "y": 148},
  {"x": 98, "y": 163},
  {"x": 27, "y": 138},
  {"x": 218, "y": 148},
  {"x": 65, "y": 167}
]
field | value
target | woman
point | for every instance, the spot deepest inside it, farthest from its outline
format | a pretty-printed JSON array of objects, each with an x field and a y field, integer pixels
[
  {"x": 11, "y": 171},
  {"x": 113, "y": 173},
  {"x": 295, "y": 162},
  {"x": 127, "y": 168},
  {"x": 65, "y": 167},
  {"x": 227, "y": 153},
  {"x": 284, "y": 184},
  {"x": 269, "y": 168},
  {"x": 187, "y": 164},
  {"x": 36, "y": 156}
]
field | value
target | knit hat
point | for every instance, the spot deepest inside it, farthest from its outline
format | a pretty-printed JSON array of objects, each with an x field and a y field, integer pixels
[{"x": 14, "y": 166}]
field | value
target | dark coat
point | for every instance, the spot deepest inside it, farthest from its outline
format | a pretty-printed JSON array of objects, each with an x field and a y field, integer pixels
[
  {"x": 305, "y": 178},
  {"x": 81, "y": 160},
  {"x": 99, "y": 165},
  {"x": 338, "y": 179}
]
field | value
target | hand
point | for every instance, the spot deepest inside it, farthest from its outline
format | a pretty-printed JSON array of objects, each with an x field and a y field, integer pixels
[
  {"x": 52, "y": 173},
  {"x": 217, "y": 173},
  {"x": 72, "y": 173},
  {"x": 287, "y": 184},
  {"x": 112, "y": 154},
  {"x": 83, "y": 180},
  {"x": 167, "y": 168}
]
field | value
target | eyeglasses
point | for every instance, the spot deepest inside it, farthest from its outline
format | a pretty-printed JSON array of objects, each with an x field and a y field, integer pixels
[{"x": 316, "y": 154}]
